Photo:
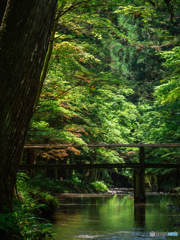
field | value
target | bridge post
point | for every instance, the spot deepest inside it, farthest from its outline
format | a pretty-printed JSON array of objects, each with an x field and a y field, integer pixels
[
  {"x": 56, "y": 171},
  {"x": 139, "y": 179},
  {"x": 71, "y": 162},
  {"x": 91, "y": 171},
  {"x": 30, "y": 160},
  {"x": 45, "y": 169}
]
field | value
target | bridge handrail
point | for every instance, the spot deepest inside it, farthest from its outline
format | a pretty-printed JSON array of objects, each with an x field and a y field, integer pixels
[{"x": 36, "y": 146}]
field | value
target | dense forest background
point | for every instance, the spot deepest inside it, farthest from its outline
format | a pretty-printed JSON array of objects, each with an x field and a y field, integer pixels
[{"x": 111, "y": 76}]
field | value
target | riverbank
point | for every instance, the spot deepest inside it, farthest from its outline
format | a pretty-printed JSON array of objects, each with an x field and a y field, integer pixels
[
  {"x": 69, "y": 185},
  {"x": 153, "y": 190},
  {"x": 34, "y": 204},
  {"x": 77, "y": 186},
  {"x": 33, "y": 209}
]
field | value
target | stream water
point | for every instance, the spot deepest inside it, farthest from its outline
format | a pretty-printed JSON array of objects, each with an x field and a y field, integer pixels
[{"x": 100, "y": 216}]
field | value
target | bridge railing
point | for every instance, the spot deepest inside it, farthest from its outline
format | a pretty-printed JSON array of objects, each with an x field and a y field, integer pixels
[{"x": 139, "y": 168}]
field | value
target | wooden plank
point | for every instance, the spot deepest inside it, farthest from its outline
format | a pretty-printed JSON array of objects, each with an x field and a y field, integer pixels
[
  {"x": 40, "y": 146},
  {"x": 80, "y": 166}
]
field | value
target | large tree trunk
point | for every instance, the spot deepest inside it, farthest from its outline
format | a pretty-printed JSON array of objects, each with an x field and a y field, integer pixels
[{"x": 24, "y": 35}]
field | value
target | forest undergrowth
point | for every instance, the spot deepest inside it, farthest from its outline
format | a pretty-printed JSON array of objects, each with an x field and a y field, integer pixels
[{"x": 34, "y": 204}]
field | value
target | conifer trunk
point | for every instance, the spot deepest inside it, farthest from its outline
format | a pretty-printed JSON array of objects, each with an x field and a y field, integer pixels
[{"x": 24, "y": 35}]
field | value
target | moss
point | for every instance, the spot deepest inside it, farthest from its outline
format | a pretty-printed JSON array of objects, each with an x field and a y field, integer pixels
[{"x": 99, "y": 186}]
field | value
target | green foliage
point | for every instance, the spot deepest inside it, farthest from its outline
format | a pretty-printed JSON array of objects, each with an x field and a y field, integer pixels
[
  {"x": 25, "y": 219},
  {"x": 169, "y": 92},
  {"x": 32, "y": 226},
  {"x": 74, "y": 185},
  {"x": 113, "y": 77},
  {"x": 161, "y": 122},
  {"x": 100, "y": 186},
  {"x": 9, "y": 223},
  {"x": 82, "y": 100},
  {"x": 32, "y": 193},
  {"x": 24, "y": 224}
]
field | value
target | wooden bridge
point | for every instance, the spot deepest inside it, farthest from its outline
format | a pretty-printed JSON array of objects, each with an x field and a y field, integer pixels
[{"x": 139, "y": 168}]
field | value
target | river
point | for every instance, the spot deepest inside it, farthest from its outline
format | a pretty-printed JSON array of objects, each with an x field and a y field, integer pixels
[{"x": 101, "y": 216}]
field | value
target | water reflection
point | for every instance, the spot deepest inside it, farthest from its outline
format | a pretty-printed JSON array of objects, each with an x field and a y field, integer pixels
[
  {"x": 139, "y": 215},
  {"x": 115, "y": 217}
]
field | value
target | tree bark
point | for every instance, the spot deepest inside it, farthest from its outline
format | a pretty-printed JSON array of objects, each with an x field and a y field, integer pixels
[{"x": 24, "y": 35}]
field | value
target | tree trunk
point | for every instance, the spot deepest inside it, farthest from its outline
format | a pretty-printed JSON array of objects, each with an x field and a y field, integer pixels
[{"x": 24, "y": 35}]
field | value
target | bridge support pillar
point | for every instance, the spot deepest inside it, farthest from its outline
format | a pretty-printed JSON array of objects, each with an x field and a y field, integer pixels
[
  {"x": 71, "y": 162},
  {"x": 139, "y": 179}
]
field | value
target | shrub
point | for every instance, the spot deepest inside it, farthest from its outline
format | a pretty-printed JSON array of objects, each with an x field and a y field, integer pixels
[{"x": 99, "y": 186}]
